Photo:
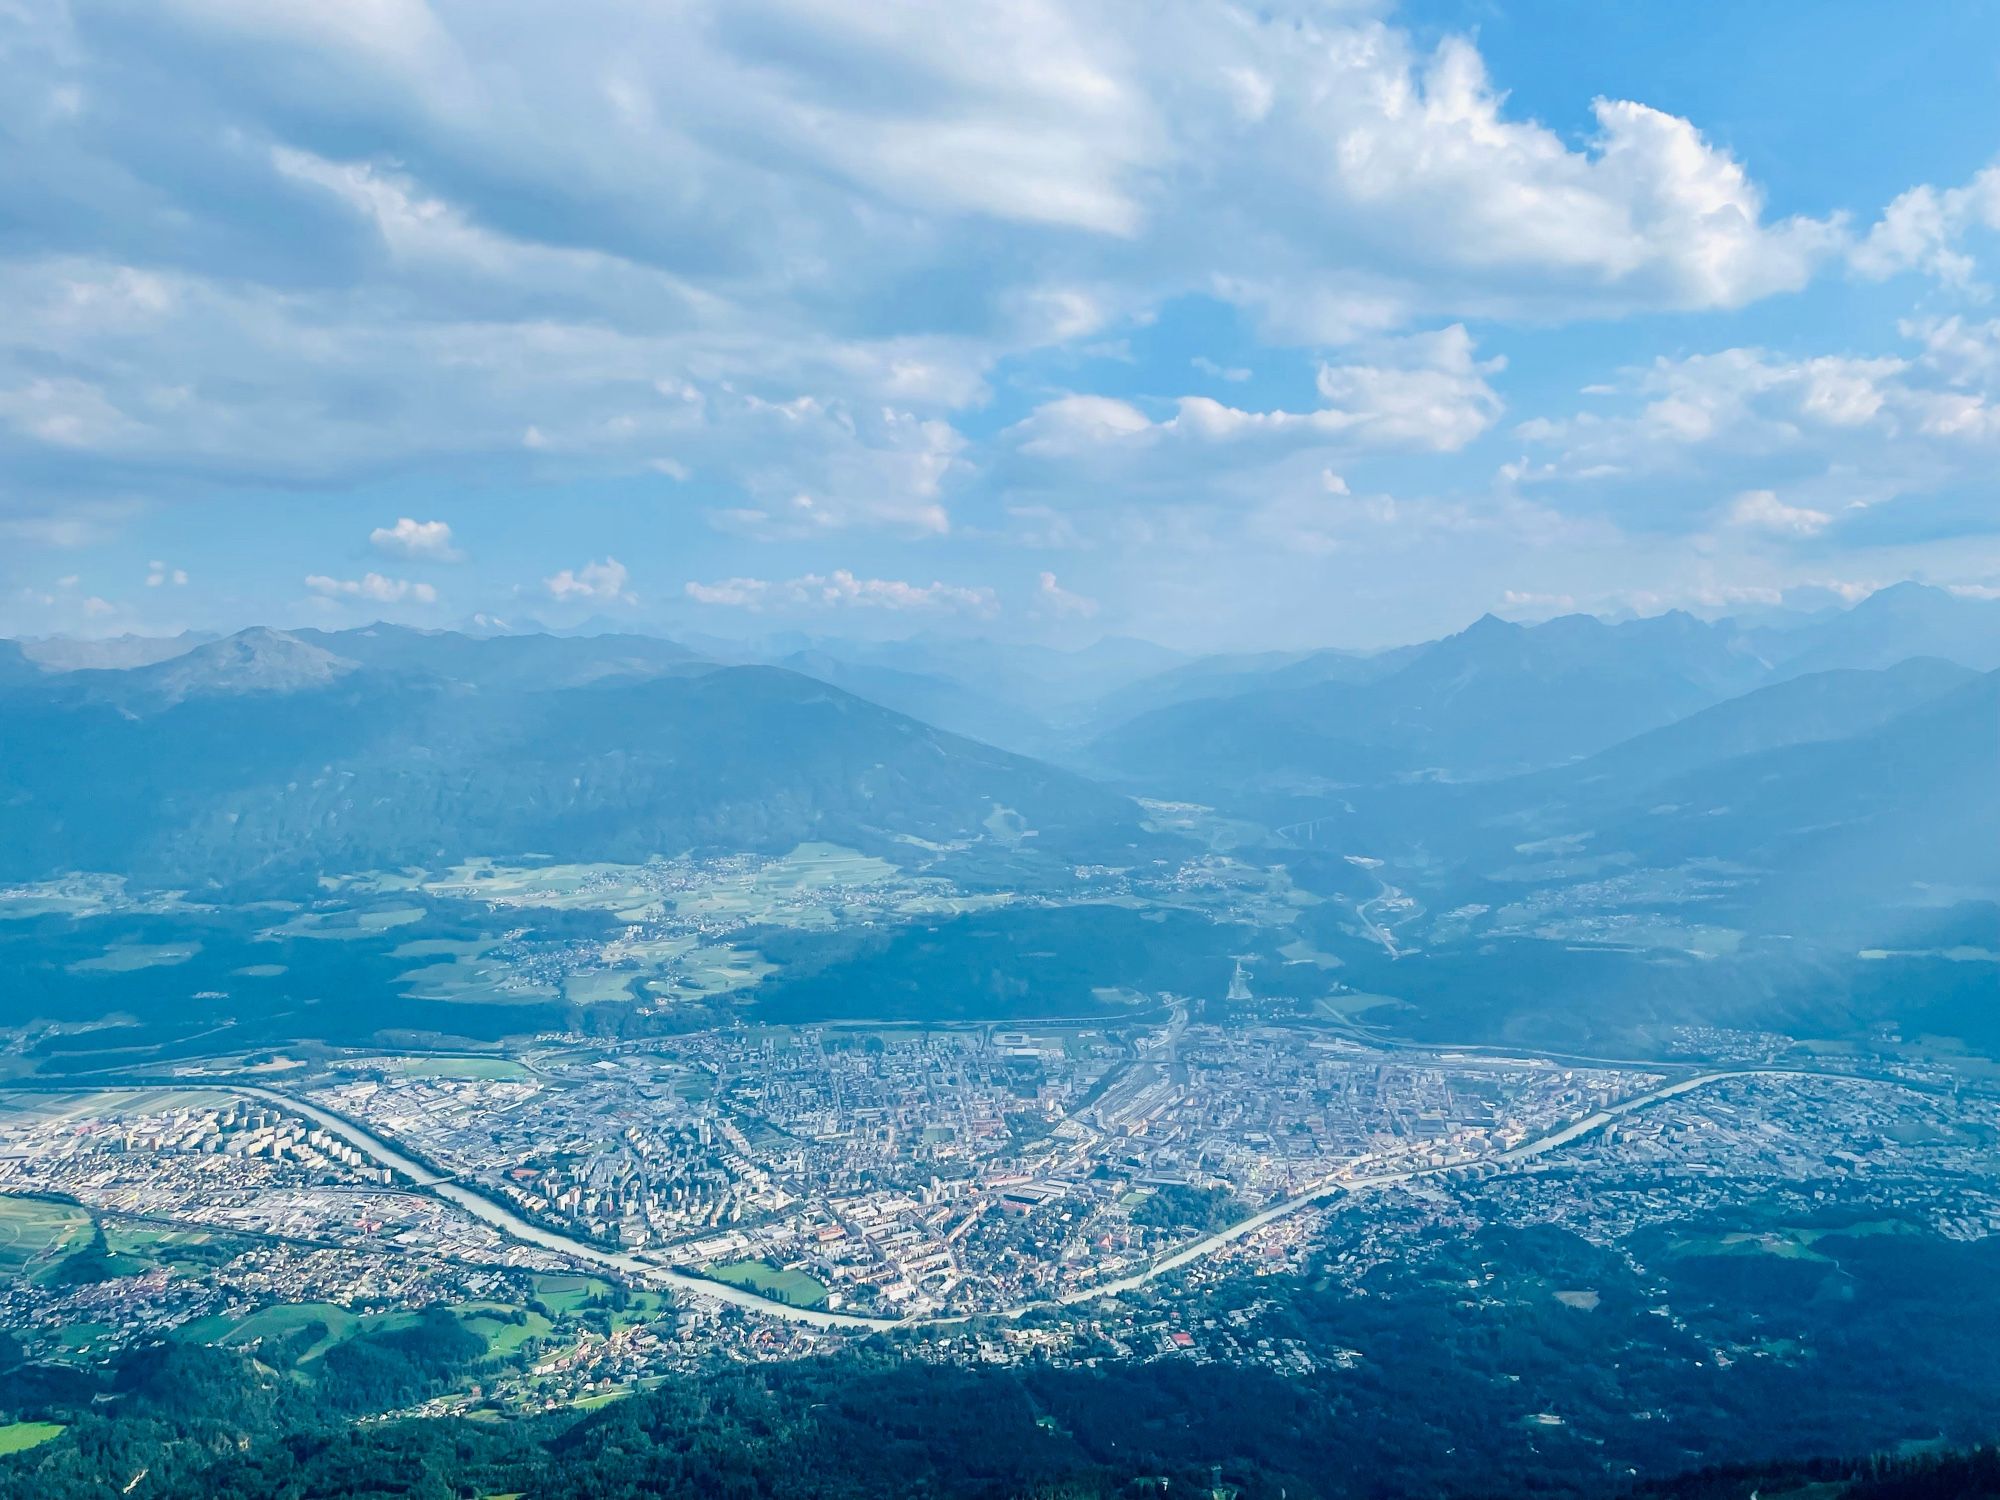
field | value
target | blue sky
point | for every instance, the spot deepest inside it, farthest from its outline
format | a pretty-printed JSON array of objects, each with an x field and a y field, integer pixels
[{"x": 1295, "y": 324}]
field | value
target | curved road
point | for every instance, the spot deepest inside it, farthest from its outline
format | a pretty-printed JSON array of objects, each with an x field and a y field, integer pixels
[{"x": 1333, "y": 1184}]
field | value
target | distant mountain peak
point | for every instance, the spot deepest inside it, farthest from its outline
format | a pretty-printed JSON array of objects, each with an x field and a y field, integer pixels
[{"x": 257, "y": 660}]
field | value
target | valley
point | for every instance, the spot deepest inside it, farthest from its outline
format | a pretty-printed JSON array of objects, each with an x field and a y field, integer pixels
[{"x": 992, "y": 1064}]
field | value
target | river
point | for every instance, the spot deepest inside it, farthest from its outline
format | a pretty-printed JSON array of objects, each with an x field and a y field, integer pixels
[
  {"x": 512, "y": 1224},
  {"x": 507, "y": 1221}
]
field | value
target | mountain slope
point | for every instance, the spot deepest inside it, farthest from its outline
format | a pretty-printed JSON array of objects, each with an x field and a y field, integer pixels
[
  {"x": 309, "y": 766},
  {"x": 62, "y": 654},
  {"x": 1808, "y": 832},
  {"x": 1495, "y": 699},
  {"x": 16, "y": 667},
  {"x": 940, "y": 701},
  {"x": 1874, "y": 817},
  {"x": 1895, "y": 624},
  {"x": 1230, "y": 676},
  {"x": 1821, "y": 706}
]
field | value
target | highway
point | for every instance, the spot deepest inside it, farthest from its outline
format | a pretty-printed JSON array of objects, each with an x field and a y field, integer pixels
[{"x": 1335, "y": 1184}]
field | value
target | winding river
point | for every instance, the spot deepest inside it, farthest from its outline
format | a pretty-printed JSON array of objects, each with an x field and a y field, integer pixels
[{"x": 496, "y": 1213}]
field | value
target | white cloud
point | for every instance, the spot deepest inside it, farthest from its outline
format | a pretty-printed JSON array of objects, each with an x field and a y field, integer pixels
[
  {"x": 429, "y": 541},
  {"x": 372, "y": 587},
  {"x": 729, "y": 198},
  {"x": 158, "y": 575},
  {"x": 1062, "y": 426},
  {"x": 65, "y": 412},
  {"x": 1428, "y": 392},
  {"x": 811, "y": 466},
  {"x": 1925, "y": 228},
  {"x": 1056, "y": 600},
  {"x": 600, "y": 582},
  {"x": 802, "y": 249},
  {"x": 1762, "y": 510},
  {"x": 1964, "y": 354},
  {"x": 842, "y": 589},
  {"x": 1827, "y": 431},
  {"x": 1527, "y": 601},
  {"x": 1424, "y": 392}
]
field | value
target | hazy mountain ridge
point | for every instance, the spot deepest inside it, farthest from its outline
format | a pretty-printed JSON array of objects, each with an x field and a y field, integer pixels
[
  {"x": 1870, "y": 818},
  {"x": 942, "y": 701},
  {"x": 1650, "y": 741},
  {"x": 1892, "y": 625},
  {"x": 512, "y": 661},
  {"x": 266, "y": 753},
  {"x": 1821, "y": 706},
  {"x": 1496, "y": 698},
  {"x": 65, "y": 654}
]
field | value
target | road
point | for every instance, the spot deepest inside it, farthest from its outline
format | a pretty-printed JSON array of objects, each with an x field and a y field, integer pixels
[{"x": 1333, "y": 1185}]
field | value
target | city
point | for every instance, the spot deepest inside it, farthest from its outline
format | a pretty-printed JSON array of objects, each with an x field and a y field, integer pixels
[{"x": 821, "y": 1183}]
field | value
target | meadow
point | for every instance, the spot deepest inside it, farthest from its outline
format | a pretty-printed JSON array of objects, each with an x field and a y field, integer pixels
[{"x": 795, "y": 1288}]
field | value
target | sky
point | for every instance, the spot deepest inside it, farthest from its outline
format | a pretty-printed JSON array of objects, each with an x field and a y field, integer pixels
[{"x": 1229, "y": 327}]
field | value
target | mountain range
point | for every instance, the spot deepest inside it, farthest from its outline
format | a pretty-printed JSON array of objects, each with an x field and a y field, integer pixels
[
  {"x": 268, "y": 753},
  {"x": 1840, "y": 764}
]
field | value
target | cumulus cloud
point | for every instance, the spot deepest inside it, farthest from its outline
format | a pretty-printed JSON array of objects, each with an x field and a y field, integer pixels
[
  {"x": 1426, "y": 393},
  {"x": 599, "y": 582},
  {"x": 372, "y": 587},
  {"x": 792, "y": 255},
  {"x": 1925, "y": 229},
  {"x": 159, "y": 575},
  {"x": 427, "y": 541},
  {"x": 842, "y": 589},
  {"x": 1828, "y": 433},
  {"x": 355, "y": 272},
  {"x": 1762, "y": 510}
]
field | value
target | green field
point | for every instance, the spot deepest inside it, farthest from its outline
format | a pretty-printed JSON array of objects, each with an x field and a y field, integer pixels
[
  {"x": 147, "y": 1242},
  {"x": 273, "y": 1323},
  {"x": 794, "y": 1288},
  {"x": 492, "y": 1069},
  {"x": 565, "y": 1296},
  {"x": 599, "y": 986},
  {"x": 492, "y": 1321},
  {"x": 19, "y": 1437},
  {"x": 35, "y": 1236},
  {"x": 124, "y": 958},
  {"x": 503, "y": 1336},
  {"x": 345, "y": 925},
  {"x": 84, "y": 1337}
]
